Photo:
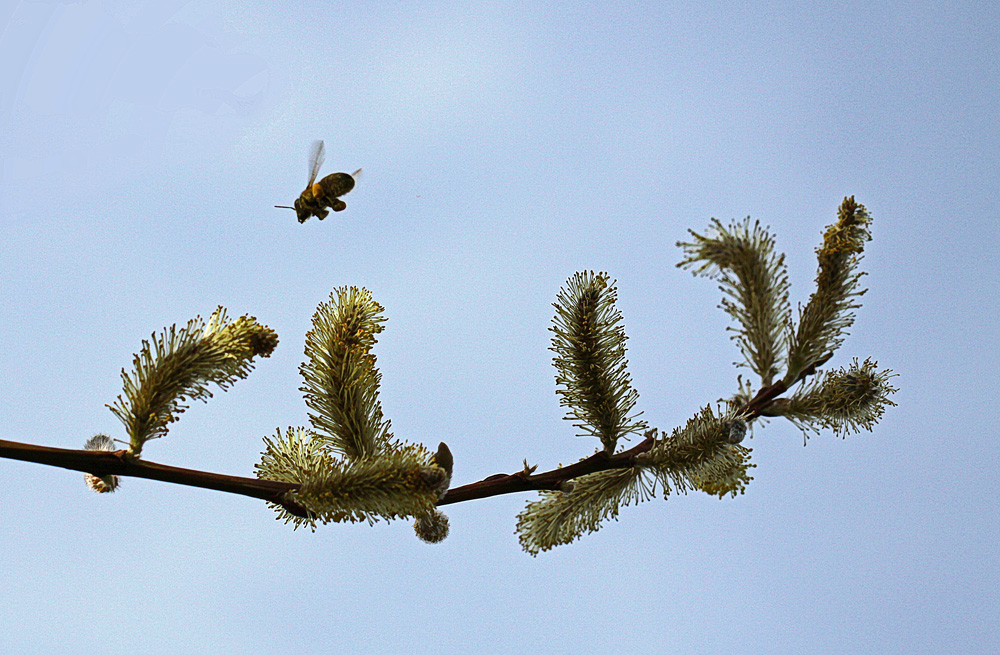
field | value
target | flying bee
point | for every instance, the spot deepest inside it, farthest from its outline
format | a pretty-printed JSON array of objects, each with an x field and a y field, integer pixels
[{"x": 325, "y": 193}]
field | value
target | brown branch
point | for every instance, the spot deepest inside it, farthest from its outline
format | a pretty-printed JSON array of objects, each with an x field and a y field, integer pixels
[
  {"x": 766, "y": 397},
  {"x": 102, "y": 462},
  {"x": 120, "y": 463},
  {"x": 502, "y": 483}
]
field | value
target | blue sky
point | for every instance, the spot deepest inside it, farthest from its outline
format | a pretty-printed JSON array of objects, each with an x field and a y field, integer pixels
[{"x": 505, "y": 146}]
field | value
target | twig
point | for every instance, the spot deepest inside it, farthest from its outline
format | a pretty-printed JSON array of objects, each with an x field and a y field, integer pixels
[
  {"x": 119, "y": 462},
  {"x": 496, "y": 485}
]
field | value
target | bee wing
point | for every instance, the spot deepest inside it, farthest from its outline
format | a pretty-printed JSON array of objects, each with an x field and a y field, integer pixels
[
  {"x": 316, "y": 156},
  {"x": 356, "y": 175}
]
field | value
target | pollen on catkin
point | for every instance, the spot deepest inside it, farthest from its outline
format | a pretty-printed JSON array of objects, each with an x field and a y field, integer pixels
[
  {"x": 432, "y": 527},
  {"x": 105, "y": 483}
]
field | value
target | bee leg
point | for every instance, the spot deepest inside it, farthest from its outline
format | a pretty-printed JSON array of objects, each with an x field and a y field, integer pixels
[
  {"x": 339, "y": 206},
  {"x": 321, "y": 214}
]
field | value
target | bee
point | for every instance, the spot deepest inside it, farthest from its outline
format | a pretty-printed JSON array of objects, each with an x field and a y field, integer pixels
[{"x": 325, "y": 193}]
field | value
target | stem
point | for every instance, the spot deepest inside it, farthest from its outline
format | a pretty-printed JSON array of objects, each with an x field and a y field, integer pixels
[
  {"x": 764, "y": 398},
  {"x": 119, "y": 462},
  {"x": 502, "y": 483},
  {"x": 767, "y": 395}
]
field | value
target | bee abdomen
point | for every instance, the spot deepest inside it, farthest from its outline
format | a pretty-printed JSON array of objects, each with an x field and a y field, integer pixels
[{"x": 334, "y": 185}]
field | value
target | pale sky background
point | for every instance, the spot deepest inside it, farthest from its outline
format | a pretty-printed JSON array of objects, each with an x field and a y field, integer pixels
[{"x": 505, "y": 146}]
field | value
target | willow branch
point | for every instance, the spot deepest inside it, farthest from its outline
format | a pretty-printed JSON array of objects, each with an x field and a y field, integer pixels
[
  {"x": 767, "y": 395},
  {"x": 120, "y": 463},
  {"x": 503, "y": 483},
  {"x": 507, "y": 483}
]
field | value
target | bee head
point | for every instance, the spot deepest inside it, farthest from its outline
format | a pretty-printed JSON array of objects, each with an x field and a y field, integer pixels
[{"x": 302, "y": 211}]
